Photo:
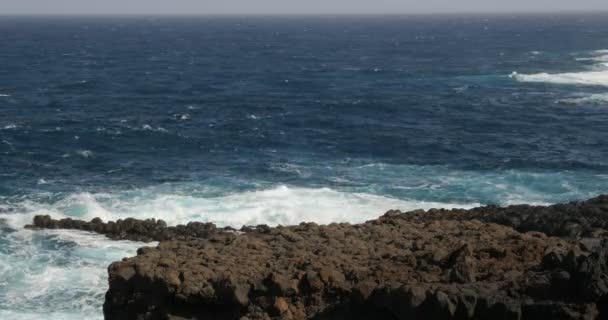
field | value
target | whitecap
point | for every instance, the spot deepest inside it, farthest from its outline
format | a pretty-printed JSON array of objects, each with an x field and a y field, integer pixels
[
  {"x": 461, "y": 89},
  {"x": 85, "y": 153},
  {"x": 9, "y": 126},
  {"x": 147, "y": 127},
  {"x": 4, "y": 95},
  {"x": 594, "y": 75},
  {"x": 587, "y": 78},
  {"x": 602, "y": 58}
]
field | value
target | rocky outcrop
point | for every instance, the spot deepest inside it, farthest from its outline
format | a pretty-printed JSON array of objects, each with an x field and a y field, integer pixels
[
  {"x": 390, "y": 268},
  {"x": 438, "y": 264},
  {"x": 130, "y": 229},
  {"x": 581, "y": 219},
  {"x": 573, "y": 220}
]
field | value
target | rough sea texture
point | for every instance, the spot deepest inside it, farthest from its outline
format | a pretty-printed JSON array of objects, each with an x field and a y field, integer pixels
[{"x": 277, "y": 120}]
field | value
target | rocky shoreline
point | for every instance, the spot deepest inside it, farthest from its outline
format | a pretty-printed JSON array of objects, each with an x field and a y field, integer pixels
[{"x": 517, "y": 262}]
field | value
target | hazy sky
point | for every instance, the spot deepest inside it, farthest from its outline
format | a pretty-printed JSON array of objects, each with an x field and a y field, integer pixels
[{"x": 292, "y": 6}]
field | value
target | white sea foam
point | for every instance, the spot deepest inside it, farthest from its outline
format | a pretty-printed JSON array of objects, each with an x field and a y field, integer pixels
[
  {"x": 55, "y": 274},
  {"x": 280, "y": 205},
  {"x": 67, "y": 268},
  {"x": 602, "y": 58},
  {"x": 9, "y": 126},
  {"x": 147, "y": 127},
  {"x": 85, "y": 153},
  {"x": 587, "y": 78},
  {"x": 4, "y": 95},
  {"x": 595, "y": 75}
]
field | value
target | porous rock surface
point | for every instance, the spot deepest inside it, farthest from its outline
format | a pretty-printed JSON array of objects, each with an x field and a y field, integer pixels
[
  {"x": 573, "y": 220},
  {"x": 484, "y": 263}
]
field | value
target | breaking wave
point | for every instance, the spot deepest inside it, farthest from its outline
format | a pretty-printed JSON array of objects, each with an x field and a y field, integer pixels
[
  {"x": 597, "y": 76},
  {"x": 588, "y": 78},
  {"x": 68, "y": 268},
  {"x": 58, "y": 268},
  {"x": 281, "y": 205}
]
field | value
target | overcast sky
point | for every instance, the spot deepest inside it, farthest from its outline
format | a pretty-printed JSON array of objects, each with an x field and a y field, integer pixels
[{"x": 291, "y": 6}]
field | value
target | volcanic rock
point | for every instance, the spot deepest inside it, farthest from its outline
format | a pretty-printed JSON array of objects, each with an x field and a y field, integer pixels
[{"x": 517, "y": 262}]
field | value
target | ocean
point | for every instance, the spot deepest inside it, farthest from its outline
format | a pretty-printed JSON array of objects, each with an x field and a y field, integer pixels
[{"x": 246, "y": 120}]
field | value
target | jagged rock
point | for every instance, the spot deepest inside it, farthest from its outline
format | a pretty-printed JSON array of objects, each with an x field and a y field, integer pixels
[
  {"x": 314, "y": 279},
  {"x": 129, "y": 229},
  {"x": 462, "y": 265},
  {"x": 518, "y": 262}
]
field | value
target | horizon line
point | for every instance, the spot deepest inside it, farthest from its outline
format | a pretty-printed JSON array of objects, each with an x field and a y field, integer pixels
[{"x": 311, "y": 14}]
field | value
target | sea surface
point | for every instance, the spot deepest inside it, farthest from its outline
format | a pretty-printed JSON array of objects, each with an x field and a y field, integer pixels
[{"x": 278, "y": 120}]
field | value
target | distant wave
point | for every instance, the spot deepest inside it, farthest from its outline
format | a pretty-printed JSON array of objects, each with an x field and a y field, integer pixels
[
  {"x": 85, "y": 153},
  {"x": 601, "y": 98},
  {"x": 9, "y": 126},
  {"x": 601, "y": 58},
  {"x": 147, "y": 127},
  {"x": 588, "y": 78},
  {"x": 597, "y": 76}
]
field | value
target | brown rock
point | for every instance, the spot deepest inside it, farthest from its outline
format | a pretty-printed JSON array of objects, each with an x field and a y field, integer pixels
[
  {"x": 280, "y": 305},
  {"x": 518, "y": 262}
]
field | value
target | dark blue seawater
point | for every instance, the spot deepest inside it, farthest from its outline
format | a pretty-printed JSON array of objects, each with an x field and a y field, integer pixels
[{"x": 246, "y": 120}]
